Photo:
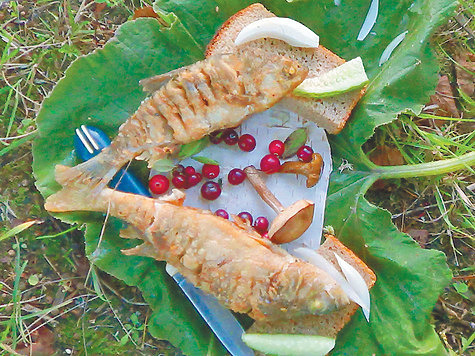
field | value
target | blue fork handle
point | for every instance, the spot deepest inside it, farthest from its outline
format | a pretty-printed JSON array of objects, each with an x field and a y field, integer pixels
[{"x": 123, "y": 180}]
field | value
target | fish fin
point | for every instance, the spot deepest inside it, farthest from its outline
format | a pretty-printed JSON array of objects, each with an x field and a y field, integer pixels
[
  {"x": 157, "y": 81},
  {"x": 131, "y": 232},
  {"x": 146, "y": 249},
  {"x": 95, "y": 173},
  {"x": 90, "y": 178},
  {"x": 242, "y": 223}
]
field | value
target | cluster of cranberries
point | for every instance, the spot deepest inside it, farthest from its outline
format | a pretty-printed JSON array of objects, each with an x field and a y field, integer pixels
[
  {"x": 271, "y": 163},
  {"x": 246, "y": 142},
  {"x": 261, "y": 224},
  {"x": 187, "y": 177}
]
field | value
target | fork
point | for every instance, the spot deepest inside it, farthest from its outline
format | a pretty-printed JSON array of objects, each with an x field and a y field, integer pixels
[{"x": 88, "y": 142}]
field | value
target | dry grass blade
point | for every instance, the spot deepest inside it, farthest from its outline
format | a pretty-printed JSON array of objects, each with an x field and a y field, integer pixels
[{"x": 19, "y": 228}]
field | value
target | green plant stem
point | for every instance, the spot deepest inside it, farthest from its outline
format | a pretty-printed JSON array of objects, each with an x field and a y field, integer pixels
[{"x": 428, "y": 169}]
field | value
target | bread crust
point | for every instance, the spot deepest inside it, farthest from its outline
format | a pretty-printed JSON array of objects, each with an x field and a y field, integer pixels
[
  {"x": 256, "y": 7},
  {"x": 329, "y": 324},
  {"x": 332, "y": 244}
]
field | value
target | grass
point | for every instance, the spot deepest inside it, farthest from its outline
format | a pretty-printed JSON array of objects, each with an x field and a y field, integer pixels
[
  {"x": 441, "y": 208},
  {"x": 47, "y": 281}
]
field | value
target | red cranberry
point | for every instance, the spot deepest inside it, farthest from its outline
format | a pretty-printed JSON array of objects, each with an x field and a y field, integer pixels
[
  {"x": 277, "y": 147},
  {"x": 270, "y": 164},
  {"x": 189, "y": 170},
  {"x": 304, "y": 153},
  {"x": 246, "y": 216},
  {"x": 179, "y": 181},
  {"x": 247, "y": 143},
  {"x": 210, "y": 190},
  {"x": 158, "y": 184},
  {"x": 210, "y": 170},
  {"x": 216, "y": 137},
  {"x": 236, "y": 176},
  {"x": 265, "y": 235},
  {"x": 261, "y": 224},
  {"x": 222, "y": 213},
  {"x": 178, "y": 170},
  {"x": 193, "y": 179},
  {"x": 230, "y": 137}
]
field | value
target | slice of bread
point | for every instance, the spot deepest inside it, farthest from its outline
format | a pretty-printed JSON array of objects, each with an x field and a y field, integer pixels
[
  {"x": 329, "y": 113},
  {"x": 329, "y": 324}
]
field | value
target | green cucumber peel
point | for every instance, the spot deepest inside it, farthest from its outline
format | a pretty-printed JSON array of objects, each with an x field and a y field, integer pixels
[
  {"x": 349, "y": 76},
  {"x": 289, "y": 345}
]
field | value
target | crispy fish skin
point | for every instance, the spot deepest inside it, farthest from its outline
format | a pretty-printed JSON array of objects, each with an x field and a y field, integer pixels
[
  {"x": 190, "y": 102},
  {"x": 246, "y": 273}
]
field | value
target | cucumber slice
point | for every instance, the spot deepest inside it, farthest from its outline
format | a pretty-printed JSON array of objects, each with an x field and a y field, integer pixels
[
  {"x": 349, "y": 76},
  {"x": 289, "y": 345}
]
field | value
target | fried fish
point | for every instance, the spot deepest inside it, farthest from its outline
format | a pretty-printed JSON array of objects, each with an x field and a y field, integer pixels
[
  {"x": 190, "y": 102},
  {"x": 247, "y": 273}
]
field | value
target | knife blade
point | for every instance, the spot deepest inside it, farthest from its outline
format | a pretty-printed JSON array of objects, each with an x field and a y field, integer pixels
[
  {"x": 220, "y": 320},
  {"x": 223, "y": 323}
]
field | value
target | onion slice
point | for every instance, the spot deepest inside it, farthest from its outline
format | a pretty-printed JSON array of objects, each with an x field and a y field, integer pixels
[
  {"x": 390, "y": 48},
  {"x": 319, "y": 261},
  {"x": 356, "y": 282},
  {"x": 281, "y": 28},
  {"x": 369, "y": 21}
]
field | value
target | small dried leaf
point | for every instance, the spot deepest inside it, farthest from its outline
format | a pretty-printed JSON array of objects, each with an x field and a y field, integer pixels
[
  {"x": 98, "y": 8},
  {"x": 465, "y": 79},
  {"x": 386, "y": 156},
  {"x": 420, "y": 236},
  {"x": 444, "y": 99},
  {"x": 42, "y": 343},
  {"x": 146, "y": 11},
  {"x": 295, "y": 140}
]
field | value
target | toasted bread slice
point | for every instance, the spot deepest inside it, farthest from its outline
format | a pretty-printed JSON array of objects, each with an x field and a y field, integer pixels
[
  {"x": 329, "y": 324},
  {"x": 329, "y": 113}
]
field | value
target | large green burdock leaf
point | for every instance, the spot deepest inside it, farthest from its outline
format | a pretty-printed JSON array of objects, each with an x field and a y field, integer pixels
[{"x": 102, "y": 89}]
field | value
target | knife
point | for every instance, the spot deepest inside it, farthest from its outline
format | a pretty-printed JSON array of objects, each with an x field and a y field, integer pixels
[
  {"x": 223, "y": 323},
  {"x": 88, "y": 142}
]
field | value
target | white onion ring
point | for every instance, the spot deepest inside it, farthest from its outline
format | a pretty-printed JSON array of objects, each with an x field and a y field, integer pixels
[
  {"x": 281, "y": 28},
  {"x": 391, "y": 46},
  {"x": 319, "y": 261},
  {"x": 356, "y": 282},
  {"x": 369, "y": 21}
]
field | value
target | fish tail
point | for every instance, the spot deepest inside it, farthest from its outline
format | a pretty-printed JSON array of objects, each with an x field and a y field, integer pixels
[
  {"x": 96, "y": 172},
  {"x": 99, "y": 170},
  {"x": 76, "y": 192},
  {"x": 80, "y": 192}
]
